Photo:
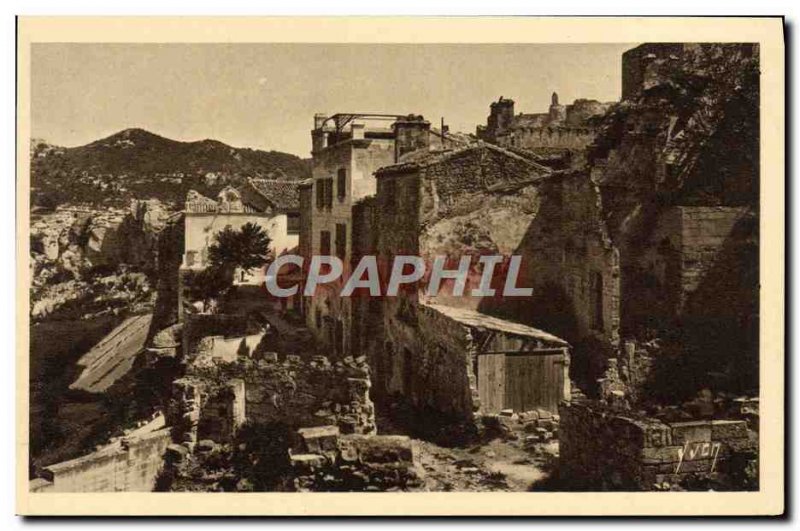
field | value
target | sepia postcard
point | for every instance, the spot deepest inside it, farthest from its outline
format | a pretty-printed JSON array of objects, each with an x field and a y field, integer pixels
[{"x": 400, "y": 266}]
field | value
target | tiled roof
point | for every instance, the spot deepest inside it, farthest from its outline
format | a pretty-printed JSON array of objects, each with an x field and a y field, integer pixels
[
  {"x": 423, "y": 158},
  {"x": 285, "y": 195}
]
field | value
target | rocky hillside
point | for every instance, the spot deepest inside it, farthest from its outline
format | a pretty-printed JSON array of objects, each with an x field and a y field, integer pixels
[
  {"x": 86, "y": 262},
  {"x": 137, "y": 164}
]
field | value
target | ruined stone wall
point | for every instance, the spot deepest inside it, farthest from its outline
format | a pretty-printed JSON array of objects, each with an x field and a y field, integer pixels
[
  {"x": 367, "y": 312},
  {"x": 547, "y": 137},
  {"x": 685, "y": 248},
  {"x": 445, "y": 185},
  {"x": 170, "y": 249},
  {"x": 603, "y": 448},
  {"x": 214, "y": 400},
  {"x": 200, "y": 325},
  {"x": 130, "y": 465},
  {"x": 571, "y": 264},
  {"x": 427, "y": 359},
  {"x": 705, "y": 231},
  {"x": 327, "y": 461}
]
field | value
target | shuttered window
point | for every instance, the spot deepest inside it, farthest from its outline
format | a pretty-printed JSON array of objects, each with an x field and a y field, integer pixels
[
  {"x": 341, "y": 184},
  {"x": 325, "y": 242},
  {"x": 341, "y": 240}
]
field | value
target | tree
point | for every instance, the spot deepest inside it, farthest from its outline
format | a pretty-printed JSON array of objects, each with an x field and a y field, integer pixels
[
  {"x": 247, "y": 248},
  {"x": 206, "y": 283}
]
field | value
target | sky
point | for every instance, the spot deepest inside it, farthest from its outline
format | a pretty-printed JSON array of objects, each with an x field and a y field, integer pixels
[{"x": 265, "y": 95}]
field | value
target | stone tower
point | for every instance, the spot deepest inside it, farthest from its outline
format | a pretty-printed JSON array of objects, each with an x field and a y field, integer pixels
[{"x": 558, "y": 113}]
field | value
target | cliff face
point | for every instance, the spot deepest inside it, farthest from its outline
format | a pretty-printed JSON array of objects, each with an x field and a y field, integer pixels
[{"x": 106, "y": 255}]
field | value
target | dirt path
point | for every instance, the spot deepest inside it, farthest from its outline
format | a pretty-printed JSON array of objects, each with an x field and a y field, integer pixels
[{"x": 506, "y": 464}]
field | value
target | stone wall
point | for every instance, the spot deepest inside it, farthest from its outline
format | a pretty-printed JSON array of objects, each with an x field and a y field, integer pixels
[
  {"x": 571, "y": 263},
  {"x": 129, "y": 465},
  {"x": 687, "y": 248},
  {"x": 200, "y": 325},
  {"x": 427, "y": 359},
  {"x": 214, "y": 400},
  {"x": 327, "y": 461},
  {"x": 548, "y": 137},
  {"x": 601, "y": 448}
]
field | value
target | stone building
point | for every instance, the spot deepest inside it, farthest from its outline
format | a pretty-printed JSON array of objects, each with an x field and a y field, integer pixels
[
  {"x": 346, "y": 151},
  {"x": 437, "y": 351},
  {"x": 273, "y": 205},
  {"x": 656, "y": 237},
  {"x": 562, "y": 127}
]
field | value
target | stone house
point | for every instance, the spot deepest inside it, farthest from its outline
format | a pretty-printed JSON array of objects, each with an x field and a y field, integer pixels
[
  {"x": 439, "y": 352},
  {"x": 346, "y": 150},
  {"x": 271, "y": 204}
]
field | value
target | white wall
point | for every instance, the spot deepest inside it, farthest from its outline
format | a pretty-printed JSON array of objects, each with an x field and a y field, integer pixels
[{"x": 201, "y": 229}]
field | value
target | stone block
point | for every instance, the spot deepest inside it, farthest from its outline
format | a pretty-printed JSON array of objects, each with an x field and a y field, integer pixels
[
  {"x": 728, "y": 429},
  {"x": 660, "y": 455},
  {"x": 303, "y": 463},
  {"x": 658, "y": 434},
  {"x": 696, "y": 466},
  {"x": 176, "y": 452},
  {"x": 542, "y": 434},
  {"x": 747, "y": 445},
  {"x": 206, "y": 445},
  {"x": 694, "y": 431},
  {"x": 267, "y": 357},
  {"x": 319, "y": 439},
  {"x": 547, "y": 424},
  {"x": 379, "y": 448}
]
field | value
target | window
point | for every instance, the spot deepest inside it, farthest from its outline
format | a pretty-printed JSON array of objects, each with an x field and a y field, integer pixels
[
  {"x": 325, "y": 242},
  {"x": 191, "y": 256},
  {"x": 341, "y": 240},
  {"x": 329, "y": 192},
  {"x": 293, "y": 223},
  {"x": 320, "y": 187},
  {"x": 341, "y": 183},
  {"x": 596, "y": 303}
]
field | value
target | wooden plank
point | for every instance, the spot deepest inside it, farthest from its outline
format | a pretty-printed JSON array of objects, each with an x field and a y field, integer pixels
[
  {"x": 533, "y": 382},
  {"x": 491, "y": 382}
]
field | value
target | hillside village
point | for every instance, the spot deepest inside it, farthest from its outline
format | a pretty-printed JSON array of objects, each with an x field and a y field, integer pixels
[{"x": 632, "y": 366}]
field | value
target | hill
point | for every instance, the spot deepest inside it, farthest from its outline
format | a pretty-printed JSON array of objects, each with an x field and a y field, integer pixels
[{"x": 135, "y": 163}]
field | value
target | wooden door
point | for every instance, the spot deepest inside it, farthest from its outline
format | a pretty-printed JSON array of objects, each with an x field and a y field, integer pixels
[
  {"x": 491, "y": 382},
  {"x": 534, "y": 380},
  {"x": 520, "y": 381}
]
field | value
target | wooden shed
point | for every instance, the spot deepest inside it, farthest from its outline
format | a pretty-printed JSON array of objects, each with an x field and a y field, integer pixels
[{"x": 516, "y": 366}]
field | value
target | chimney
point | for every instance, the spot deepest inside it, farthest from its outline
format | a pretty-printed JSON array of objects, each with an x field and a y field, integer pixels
[
  {"x": 319, "y": 119},
  {"x": 357, "y": 131},
  {"x": 319, "y": 137},
  {"x": 410, "y": 134}
]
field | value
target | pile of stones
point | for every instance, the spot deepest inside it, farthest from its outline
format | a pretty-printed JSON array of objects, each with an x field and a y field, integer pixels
[{"x": 325, "y": 460}]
